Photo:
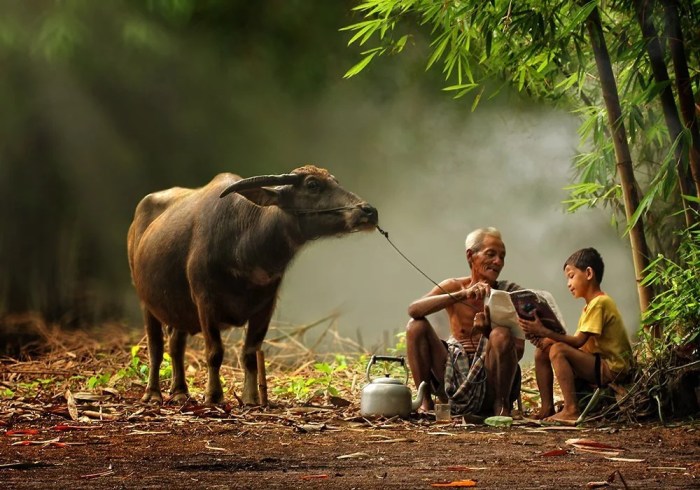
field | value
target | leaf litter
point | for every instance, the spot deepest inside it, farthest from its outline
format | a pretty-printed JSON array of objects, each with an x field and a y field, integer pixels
[{"x": 86, "y": 417}]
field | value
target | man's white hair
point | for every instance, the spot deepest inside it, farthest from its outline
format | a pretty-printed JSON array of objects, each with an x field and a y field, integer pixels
[{"x": 475, "y": 239}]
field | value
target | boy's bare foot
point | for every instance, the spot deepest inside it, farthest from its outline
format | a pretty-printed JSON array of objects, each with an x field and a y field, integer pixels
[
  {"x": 564, "y": 417},
  {"x": 543, "y": 413}
]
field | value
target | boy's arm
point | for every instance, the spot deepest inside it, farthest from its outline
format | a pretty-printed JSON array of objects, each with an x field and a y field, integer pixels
[{"x": 535, "y": 327}]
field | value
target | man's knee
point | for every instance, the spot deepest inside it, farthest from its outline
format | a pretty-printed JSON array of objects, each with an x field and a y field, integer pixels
[
  {"x": 417, "y": 328},
  {"x": 501, "y": 339}
]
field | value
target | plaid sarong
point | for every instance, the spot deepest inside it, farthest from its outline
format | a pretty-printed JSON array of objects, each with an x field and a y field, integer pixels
[{"x": 465, "y": 378}]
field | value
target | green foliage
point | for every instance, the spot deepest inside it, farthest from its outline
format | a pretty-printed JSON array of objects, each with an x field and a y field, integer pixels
[
  {"x": 298, "y": 388},
  {"x": 675, "y": 310},
  {"x": 321, "y": 383},
  {"x": 28, "y": 388},
  {"x": 400, "y": 348},
  {"x": 537, "y": 47},
  {"x": 137, "y": 369},
  {"x": 98, "y": 380},
  {"x": 542, "y": 49},
  {"x": 166, "y": 367}
]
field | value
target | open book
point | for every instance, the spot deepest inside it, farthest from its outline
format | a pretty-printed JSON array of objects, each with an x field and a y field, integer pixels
[{"x": 505, "y": 308}]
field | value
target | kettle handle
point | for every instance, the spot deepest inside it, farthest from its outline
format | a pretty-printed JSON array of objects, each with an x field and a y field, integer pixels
[{"x": 401, "y": 360}]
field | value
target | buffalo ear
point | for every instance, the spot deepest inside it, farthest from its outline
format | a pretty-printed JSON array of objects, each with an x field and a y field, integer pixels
[{"x": 262, "y": 196}]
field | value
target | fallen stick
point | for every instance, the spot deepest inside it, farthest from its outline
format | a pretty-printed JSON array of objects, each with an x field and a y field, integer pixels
[
  {"x": 262, "y": 378},
  {"x": 100, "y": 415}
]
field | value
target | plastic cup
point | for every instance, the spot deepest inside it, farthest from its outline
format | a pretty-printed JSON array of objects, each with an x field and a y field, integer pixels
[{"x": 442, "y": 413}]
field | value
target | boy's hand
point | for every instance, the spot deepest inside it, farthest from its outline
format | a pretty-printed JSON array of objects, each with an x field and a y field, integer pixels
[
  {"x": 541, "y": 342},
  {"x": 533, "y": 327}
]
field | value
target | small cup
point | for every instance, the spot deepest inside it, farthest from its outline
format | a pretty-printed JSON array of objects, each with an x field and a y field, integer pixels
[{"x": 442, "y": 413}]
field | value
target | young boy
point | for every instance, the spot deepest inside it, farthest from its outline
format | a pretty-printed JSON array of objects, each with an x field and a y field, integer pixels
[{"x": 599, "y": 352}]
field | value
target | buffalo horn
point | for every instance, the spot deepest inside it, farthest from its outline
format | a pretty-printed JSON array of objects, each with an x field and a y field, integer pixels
[{"x": 261, "y": 181}]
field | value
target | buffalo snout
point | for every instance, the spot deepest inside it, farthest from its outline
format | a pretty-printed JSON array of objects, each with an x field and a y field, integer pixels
[{"x": 370, "y": 212}]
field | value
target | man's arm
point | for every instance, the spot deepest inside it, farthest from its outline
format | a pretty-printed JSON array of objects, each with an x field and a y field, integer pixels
[{"x": 438, "y": 298}]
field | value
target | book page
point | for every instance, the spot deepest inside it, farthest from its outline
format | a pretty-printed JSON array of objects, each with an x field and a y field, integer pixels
[
  {"x": 527, "y": 301},
  {"x": 505, "y": 308},
  {"x": 503, "y": 312}
]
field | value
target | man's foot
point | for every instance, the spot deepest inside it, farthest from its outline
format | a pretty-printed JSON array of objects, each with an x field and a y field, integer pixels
[
  {"x": 500, "y": 409},
  {"x": 427, "y": 406}
]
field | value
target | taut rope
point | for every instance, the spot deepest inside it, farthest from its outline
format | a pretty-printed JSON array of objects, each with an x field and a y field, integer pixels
[{"x": 386, "y": 235}]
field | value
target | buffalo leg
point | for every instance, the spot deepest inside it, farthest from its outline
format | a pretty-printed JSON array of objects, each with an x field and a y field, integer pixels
[
  {"x": 257, "y": 329},
  {"x": 215, "y": 356},
  {"x": 154, "y": 334},
  {"x": 177, "y": 344}
]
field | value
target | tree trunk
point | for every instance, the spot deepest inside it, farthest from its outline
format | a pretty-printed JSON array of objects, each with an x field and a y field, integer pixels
[
  {"x": 640, "y": 252},
  {"x": 673, "y": 122},
  {"x": 685, "y": 90}
]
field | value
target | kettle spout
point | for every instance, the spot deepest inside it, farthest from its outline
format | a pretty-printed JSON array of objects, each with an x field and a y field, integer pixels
[{"x": 418, "y": 400}]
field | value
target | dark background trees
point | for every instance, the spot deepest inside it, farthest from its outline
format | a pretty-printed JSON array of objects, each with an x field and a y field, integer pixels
[{"x": 107, "y": 101}]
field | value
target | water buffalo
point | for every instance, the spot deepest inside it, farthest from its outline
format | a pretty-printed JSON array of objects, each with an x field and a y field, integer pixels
[{"x": 209, "y": 258}]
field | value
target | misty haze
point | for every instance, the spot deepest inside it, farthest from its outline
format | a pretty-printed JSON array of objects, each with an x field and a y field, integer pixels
[{"x": 436, "y": 171}]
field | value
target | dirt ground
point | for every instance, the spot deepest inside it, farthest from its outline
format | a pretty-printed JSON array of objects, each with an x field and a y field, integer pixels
[
  {"x": 318, "y": 447},
  {"x": 68, "y": 420}
]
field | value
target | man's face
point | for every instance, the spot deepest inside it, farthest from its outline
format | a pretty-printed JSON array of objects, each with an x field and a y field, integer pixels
[{"x": 487, "y": 263}]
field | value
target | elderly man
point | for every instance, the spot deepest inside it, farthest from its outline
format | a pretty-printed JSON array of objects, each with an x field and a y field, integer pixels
[{"x": 480, "y": 359}]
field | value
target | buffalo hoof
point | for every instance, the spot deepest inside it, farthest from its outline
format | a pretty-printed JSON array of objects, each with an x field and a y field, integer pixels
[
  {"x": 251, "y": 400},
  {"x": 180, "y": 397},
  {"x": 213, "y": 399},
  {"x": 152, "y": 397}
]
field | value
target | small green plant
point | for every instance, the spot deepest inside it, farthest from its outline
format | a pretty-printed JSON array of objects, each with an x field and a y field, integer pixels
[
  {"x": 225, "y": 387},
  {"x": 138, "y": 369},
  {"x": 31, "y": 388},
  {"x": 400, "y": 348},
  {"x": 166, "y": 367},
  {"x": 7, "y": 393},
  {"x": 298, "y": 388},
  {"x": 28, "y": 388},
  {"x": 327, "y": 377},
  {"x": 98, "y": 380},
  {"x": 135, "y": 370},
  {"x": 322, "y": 383},
  {"x": 194, "y": 386}
]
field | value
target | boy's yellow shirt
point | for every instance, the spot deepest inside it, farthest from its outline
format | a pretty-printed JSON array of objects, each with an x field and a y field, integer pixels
[{"x": 602, "y": 319}]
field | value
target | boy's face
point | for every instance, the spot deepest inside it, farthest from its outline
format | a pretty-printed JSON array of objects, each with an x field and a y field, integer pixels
[
  {"x": 487, "y": 263},
  {"x": 577, "y": 280}
]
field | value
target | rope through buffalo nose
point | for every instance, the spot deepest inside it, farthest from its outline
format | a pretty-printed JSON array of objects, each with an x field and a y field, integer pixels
[{"x": 322, "y": 211}]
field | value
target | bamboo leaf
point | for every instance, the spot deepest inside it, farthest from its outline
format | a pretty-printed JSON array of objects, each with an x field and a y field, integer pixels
[
  {"x": 477, "y": 99},
  {"x": 461, "y": 86},
  {"x": 361, "y": 65},
  {"x": 439, "y": 50}
]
